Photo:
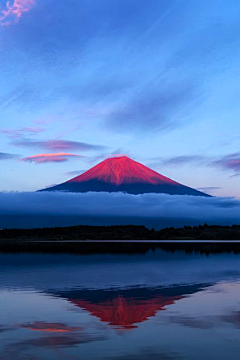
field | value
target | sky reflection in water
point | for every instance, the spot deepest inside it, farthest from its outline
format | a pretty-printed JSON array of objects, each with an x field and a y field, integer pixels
[{"x": 156, "y": 305}]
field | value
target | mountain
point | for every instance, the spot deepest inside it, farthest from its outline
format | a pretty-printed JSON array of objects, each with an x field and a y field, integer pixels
[{"x": 125, "y": 175}]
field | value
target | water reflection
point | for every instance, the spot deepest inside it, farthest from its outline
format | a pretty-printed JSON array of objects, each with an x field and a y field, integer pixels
[
  {"x": 49, "y": 327},
  {"x": 125, "y": 308},
  {"x": 154, "y": 306}
]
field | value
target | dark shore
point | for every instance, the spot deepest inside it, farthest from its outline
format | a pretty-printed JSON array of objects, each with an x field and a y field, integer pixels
[
  {"x": 121, "y": 239},
  {"x": 127, "y": 232}
]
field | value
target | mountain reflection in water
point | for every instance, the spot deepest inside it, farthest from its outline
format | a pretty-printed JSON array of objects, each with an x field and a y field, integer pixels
[
  {"x": 128, "y": 307},
  {"x": 153, "y": 305}
]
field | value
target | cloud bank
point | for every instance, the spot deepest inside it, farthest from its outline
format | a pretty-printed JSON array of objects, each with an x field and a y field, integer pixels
[{"x": 120, "y": 205}]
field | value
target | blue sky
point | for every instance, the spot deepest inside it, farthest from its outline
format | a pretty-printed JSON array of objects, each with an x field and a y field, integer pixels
[{"x": 155, "y": 80}]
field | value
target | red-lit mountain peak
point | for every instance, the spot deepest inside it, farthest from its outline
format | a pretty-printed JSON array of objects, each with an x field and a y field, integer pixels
[
  {"x": 122, "y": 170},
  {"x": 121, "y": 174}
]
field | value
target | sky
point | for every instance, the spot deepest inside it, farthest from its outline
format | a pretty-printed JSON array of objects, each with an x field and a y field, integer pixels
[{"x": 155, "y": 80}]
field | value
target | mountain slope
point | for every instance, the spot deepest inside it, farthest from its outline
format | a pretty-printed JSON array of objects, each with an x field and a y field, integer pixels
[{"x": 125, "y": 175}]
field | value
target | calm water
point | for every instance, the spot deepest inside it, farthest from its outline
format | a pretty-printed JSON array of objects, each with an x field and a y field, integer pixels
[{"x": 158, "y": 305}]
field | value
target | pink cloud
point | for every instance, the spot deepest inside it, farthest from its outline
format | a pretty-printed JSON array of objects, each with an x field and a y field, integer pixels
[
  {"x": 51, "y": 157},
  {"x": 14, "y": 10}
]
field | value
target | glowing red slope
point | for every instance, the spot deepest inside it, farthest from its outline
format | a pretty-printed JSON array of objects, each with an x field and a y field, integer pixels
[
  {"x": 120, "y": 170},
  {"x": 124, "y": 175}
]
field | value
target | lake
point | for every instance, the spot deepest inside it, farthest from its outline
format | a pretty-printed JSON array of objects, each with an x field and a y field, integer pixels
[{"x": 154, "y": 304}]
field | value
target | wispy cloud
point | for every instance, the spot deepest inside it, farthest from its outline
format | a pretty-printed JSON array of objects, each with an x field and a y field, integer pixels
[
  {"x": 185, "y": 159},
  {"x": 20, "y": 132},
  {"x": 182, "y": 160},
  {"x": 229, "y": 162},
  {"x": 155, "y": 109},
  {"x": 75, "y": 172},
  {"x": 209, "y": 188},
  {"x": 58, "y": 145},
  {"x": 52, "y": 157},
  {"x": 6, "y": 156},
  {"x": 235, "y": 175},
  {"x": 102, "y": 156},
  {"x": 14, "y": 10}
]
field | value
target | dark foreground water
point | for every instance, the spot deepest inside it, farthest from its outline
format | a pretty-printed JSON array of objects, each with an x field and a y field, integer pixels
[{"x": 157, "y": 305}]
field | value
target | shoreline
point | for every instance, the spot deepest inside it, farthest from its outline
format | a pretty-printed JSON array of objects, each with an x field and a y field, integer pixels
[
  {"x": 131, "y": 247},
  {"x": 42, "y": 241}
]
